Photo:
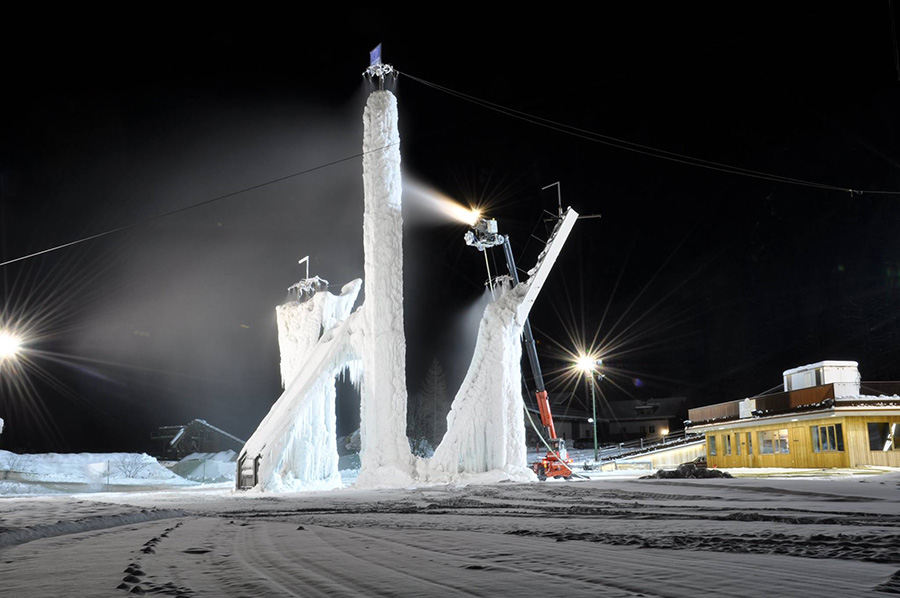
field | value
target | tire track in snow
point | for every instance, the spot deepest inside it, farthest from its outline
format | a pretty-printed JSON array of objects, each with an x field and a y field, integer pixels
[
  {"x": 254, "y": 549},
  {"x": 535, "y": 570},
  {"x": 327, "y": 569},
  {"x": 857, "y": 547},
  {"x": 12, "y": 537}
]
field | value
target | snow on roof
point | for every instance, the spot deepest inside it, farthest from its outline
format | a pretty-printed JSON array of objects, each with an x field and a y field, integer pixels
[
  {"x": 183, "y": 428},
  {"x": 848, "y": 405},
  {"x": 177, "y": 436},
  {"x": 220, "y": 431},
  {"x": 820, "y": 364}
]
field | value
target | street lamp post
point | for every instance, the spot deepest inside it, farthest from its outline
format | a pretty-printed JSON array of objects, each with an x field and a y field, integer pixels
[
  {"x": 594, "y": 409},
  {"x": 589, "y": 365}
]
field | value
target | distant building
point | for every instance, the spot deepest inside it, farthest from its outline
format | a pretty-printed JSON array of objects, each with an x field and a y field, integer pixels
[
  {"x": 822, "y": 419},
  {"x": 617, "y": 421},
  {"x": 177, "y": 442},
  {"x": 642, "y": 418}
]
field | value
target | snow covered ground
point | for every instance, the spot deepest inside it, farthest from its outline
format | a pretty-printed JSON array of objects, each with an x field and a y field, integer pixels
[
  {"x": 611, "y": 537},
  {"x": 82, "y": 472}
]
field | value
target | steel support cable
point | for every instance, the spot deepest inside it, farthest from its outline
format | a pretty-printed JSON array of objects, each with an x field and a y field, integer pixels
[
  {"x": 894, "y": 36},
  {"x": 644, "y": 149},
  {"x": 544, "y": 440},
  {"x": 192, "y": 206}
]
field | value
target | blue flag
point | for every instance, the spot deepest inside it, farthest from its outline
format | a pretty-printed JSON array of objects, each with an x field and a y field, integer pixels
[{"x": 375, "y": 56}]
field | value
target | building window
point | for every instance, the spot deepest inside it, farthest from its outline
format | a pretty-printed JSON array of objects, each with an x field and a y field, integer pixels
[
  {"x": 773, "y": 441},
  {"x": 781, "y": 437},
  {"x": 726, "y": 444},
  {"x": 749, "y": 443},
  {"x": 737, "y": 443},
  {"x": 826, "y": 439},
  {"x": 883, "y": 436},
  {"x": 711, "y": 443},
  {"x": 653, "y": 429}
]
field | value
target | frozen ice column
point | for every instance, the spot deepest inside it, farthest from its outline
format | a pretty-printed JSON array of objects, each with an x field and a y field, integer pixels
[{"x": 384, "y": 456}]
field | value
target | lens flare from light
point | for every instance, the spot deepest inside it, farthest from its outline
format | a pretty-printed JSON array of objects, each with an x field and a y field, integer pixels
[
  {"x": 10, "y": 344},
  {"x": 587, "y": 363},
  {"x": 458, "y": 212},
  {"x": 584, "y": 363}
]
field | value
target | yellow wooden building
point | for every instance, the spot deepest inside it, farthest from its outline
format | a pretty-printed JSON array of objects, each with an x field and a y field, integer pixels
[{"x": 821, "y": 420}]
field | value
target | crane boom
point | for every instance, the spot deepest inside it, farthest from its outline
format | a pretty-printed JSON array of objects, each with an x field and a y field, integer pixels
[{"x": 531, "y": 350}]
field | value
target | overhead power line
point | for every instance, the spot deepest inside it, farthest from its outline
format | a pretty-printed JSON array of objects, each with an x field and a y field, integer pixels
[
  {"x": 186, "y": 208},
  {"x": 894, "y": 36},
  {"x": 640, "y": 148},
  {"x": 520, "y": 115}
]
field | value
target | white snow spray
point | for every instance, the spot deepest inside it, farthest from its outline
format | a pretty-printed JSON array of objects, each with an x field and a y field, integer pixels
[{"x": 431, "y": 204}]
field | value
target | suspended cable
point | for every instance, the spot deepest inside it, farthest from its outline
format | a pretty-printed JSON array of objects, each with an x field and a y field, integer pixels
[
  {"x": 894, "y": 35},
  {"x": 640, "y": 148},
  {"x": 547, "y": 123},
  {"x": 191, "y": 207}
]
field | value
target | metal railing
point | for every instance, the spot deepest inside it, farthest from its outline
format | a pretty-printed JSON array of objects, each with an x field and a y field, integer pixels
[{"x": 644, "y": 445}]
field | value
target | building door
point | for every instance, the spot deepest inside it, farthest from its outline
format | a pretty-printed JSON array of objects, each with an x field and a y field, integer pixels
[
  {"x": 751, "y": 454},
  {"x": 796, "y": 448}
]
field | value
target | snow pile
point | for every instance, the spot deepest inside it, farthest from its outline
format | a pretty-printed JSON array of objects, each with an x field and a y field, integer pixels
[
  {"x": 687, "y": 471},
  {"x": 350, "y": 443},
  {"x": 301, "y": 324},
  {"x": 485, "y": 426},
  {"x": 39, "y": 531},
  {"x": 207, "y": 467},
  {"x": 296, "y": 443},
  {"x": 385, "y": 455},
  {"x": 95, "y": 470}
]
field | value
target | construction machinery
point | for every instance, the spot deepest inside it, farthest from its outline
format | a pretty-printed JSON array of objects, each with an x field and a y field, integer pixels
[{"x": 556, "y": 463}]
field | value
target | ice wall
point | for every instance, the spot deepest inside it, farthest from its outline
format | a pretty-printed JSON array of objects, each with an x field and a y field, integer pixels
[
  {"x": 301, "y": 324},
  {"x": 485, "y": 426},
  {"x": 385, "y": 456},
  {"x": 486, "y": 423},
  {"x": 296, "y": 442}
]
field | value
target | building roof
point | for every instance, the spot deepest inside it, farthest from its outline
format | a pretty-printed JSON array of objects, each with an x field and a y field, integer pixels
[
  {"x": 178, "y": 432},
  {"x": 790, "y": 406}
]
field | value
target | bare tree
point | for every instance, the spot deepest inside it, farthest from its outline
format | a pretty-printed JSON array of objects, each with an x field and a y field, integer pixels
[
  {"x": 14, "y": 463},
  {"x": 131, "y": 465}
]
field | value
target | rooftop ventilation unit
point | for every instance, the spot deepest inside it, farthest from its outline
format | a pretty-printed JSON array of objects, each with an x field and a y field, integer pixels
[{"x": 843, "y": 374}]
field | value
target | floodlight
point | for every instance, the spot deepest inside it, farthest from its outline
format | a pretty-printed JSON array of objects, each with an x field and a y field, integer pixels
[{"x": 10, "y": 345}]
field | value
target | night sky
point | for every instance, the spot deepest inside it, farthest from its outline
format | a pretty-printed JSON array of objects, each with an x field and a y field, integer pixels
[{"x": 695, "y": 282}]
